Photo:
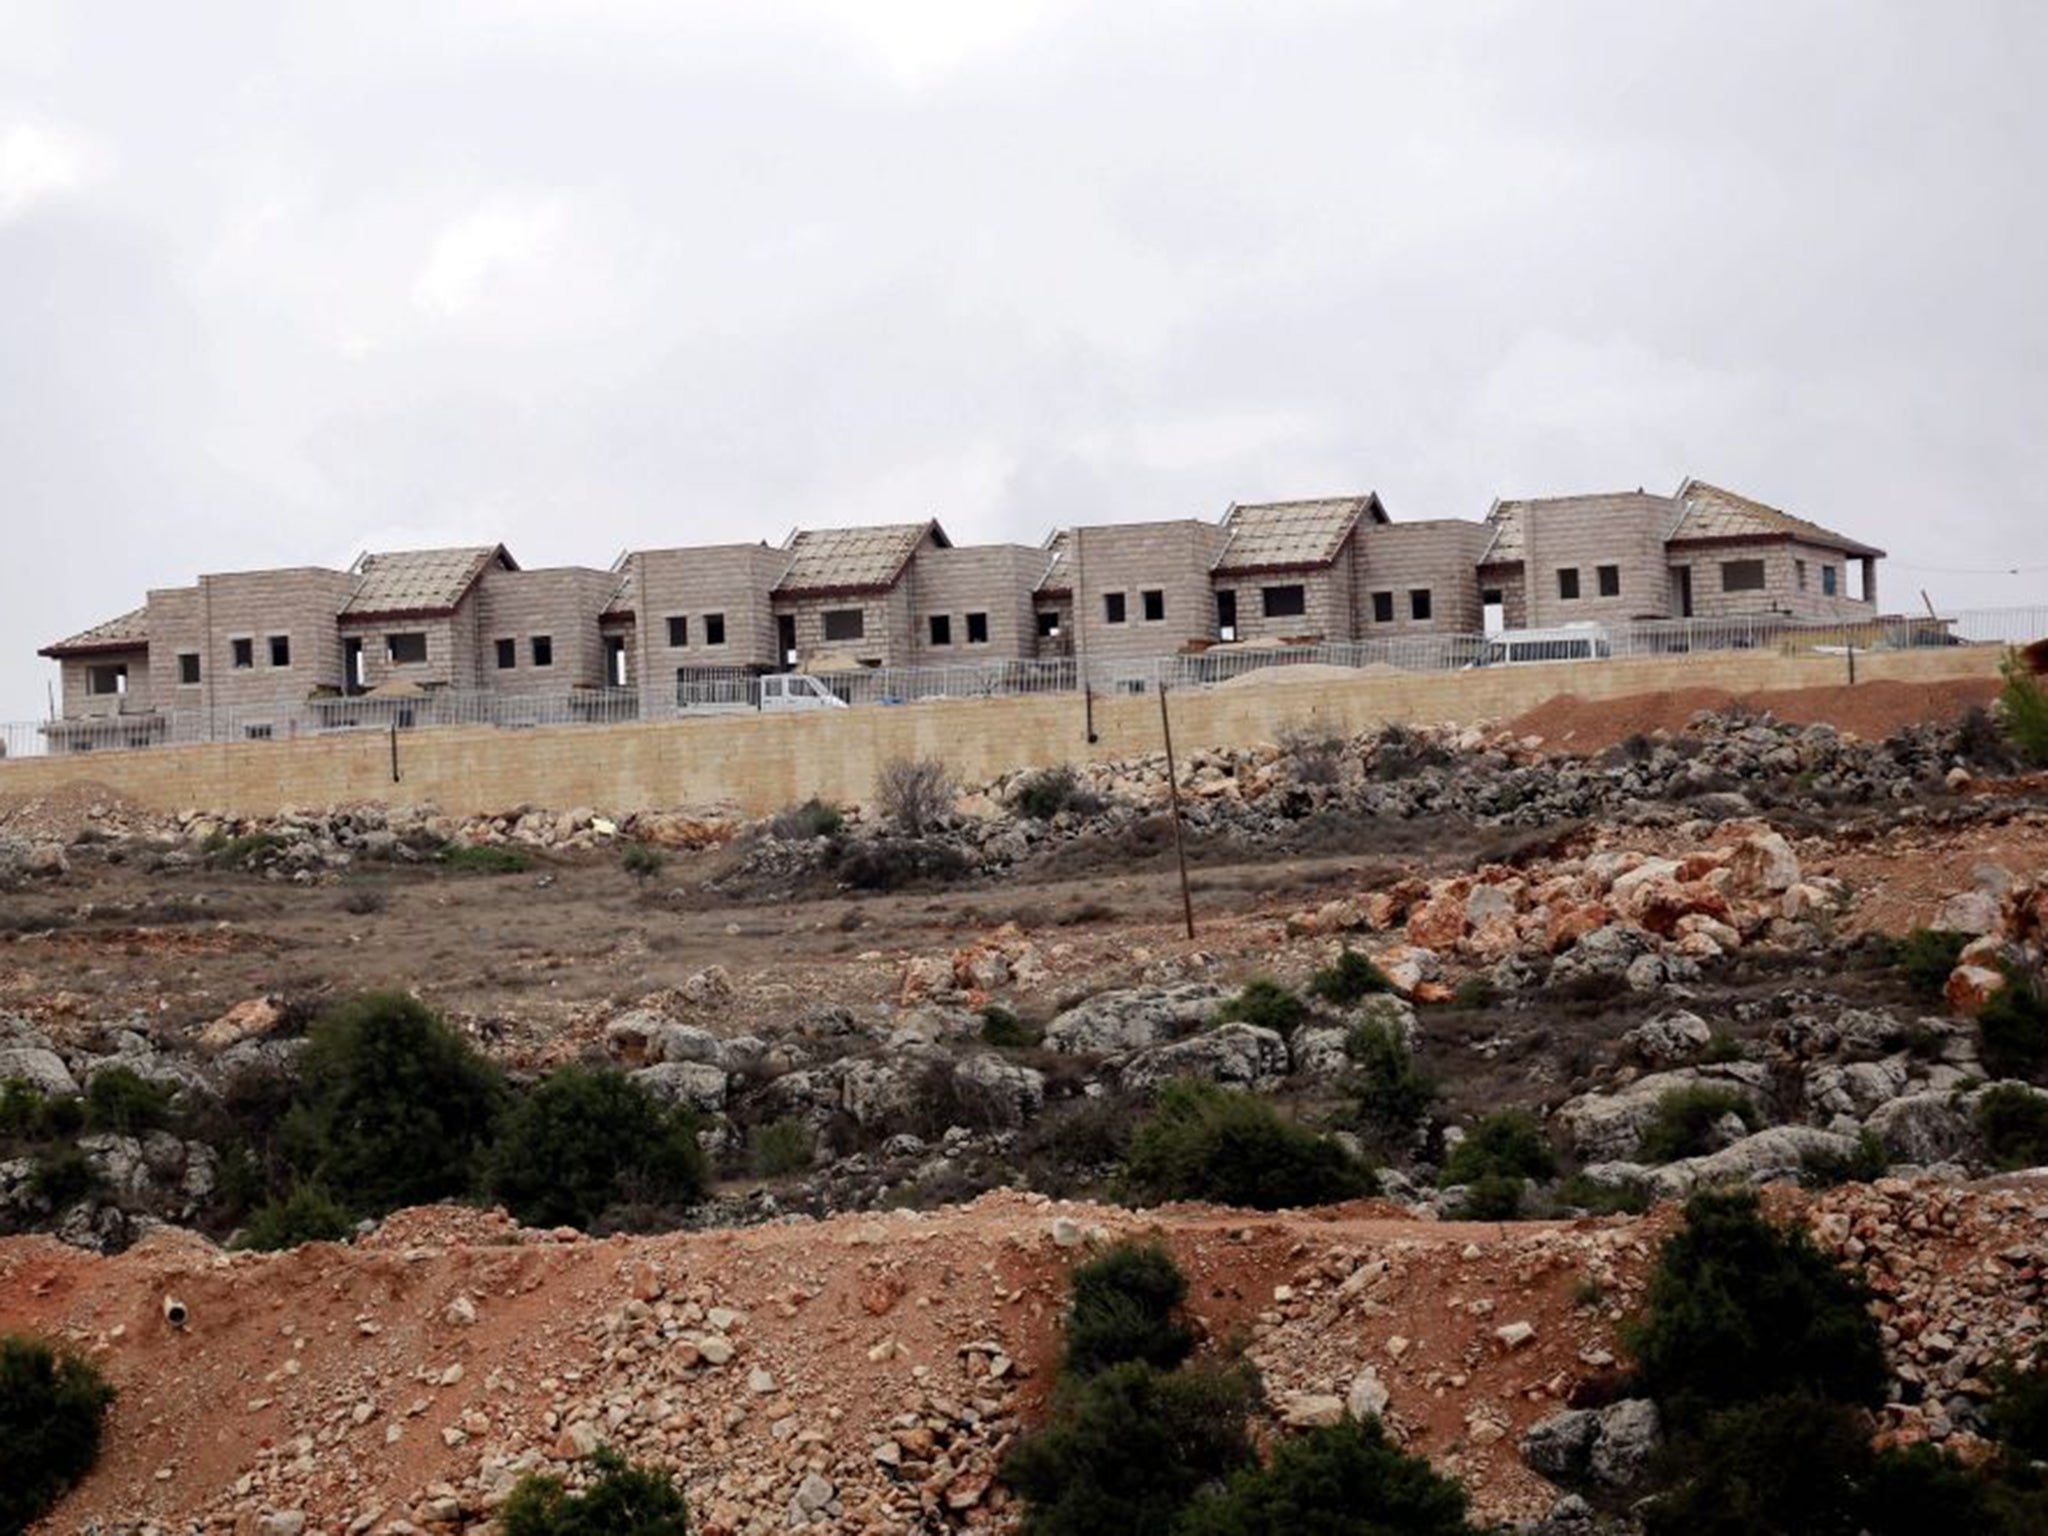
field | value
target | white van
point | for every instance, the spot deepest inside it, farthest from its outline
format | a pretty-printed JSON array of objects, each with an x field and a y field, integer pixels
[
  {"x": 1570, "y": 642},
  {"x": 776, "y": 694}
]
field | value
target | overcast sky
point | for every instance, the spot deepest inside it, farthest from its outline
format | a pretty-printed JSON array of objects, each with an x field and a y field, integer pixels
[{"x": 281, "y": 282}]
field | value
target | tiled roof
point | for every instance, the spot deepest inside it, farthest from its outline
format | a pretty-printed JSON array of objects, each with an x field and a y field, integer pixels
[
  {"x": 1713, "y": 513},
  {"x": 128, "y": 632},
  {"x": 852, "y": 559},
  {"x": 419, "y": 581},
  {"x": 1281, "y": 534}
]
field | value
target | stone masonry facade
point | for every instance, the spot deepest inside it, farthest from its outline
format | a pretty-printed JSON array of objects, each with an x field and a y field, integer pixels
[{"x": 1330, "y": 571}]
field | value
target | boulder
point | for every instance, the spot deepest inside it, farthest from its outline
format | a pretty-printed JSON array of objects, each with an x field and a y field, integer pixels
[
  {"x": 1970, "y": 987},
  {"x": 253, "y": 1018},
  {"x": 1130, "y": 1019},
  {"x": 1763, "y": 865},
  {"x": 39, "y": 1068},
  {"x": 1921, "y": 1128},
  {"x": 1780, "y": 1152},
  {"x": 1855, "y": 1089},
  {"x": 1019, "y": 1090},
  {"x": 1971, "y": 912},
  {"x": 1605, "y": 1127},
  {"x": 1317, "y": 1050},
  {"x": 1235, "y": 1055},
  {"x": 1602, "y": 956},
  {"x": 1625, "y": 1443},
  {"x": 1560, "y": 1446},
  {"x": 1673, "y": 1038},
  {"x": 693, "y": 1084}
]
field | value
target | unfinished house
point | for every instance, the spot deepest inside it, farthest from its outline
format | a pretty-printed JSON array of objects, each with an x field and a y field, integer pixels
[
  {"x": 1703, "y": 552},
  {"x": 103, "y": 674},
  {"x": 541, "y": 631},
  {"x": 1133, "y": 591},
  {"x": 973, "y": 604},
  {"x": 847, "y": 597},
  {"x": 1418, "y": 578},
  {"x": 414, "y": 619},
  {"x": 680, "y": 616},
  {"x": 1731, "y": 555},
  {"x": 1287, "y": 570}
]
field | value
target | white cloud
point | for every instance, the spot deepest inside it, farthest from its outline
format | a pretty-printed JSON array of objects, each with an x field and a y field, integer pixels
[
  {"x": 502, "y": 242},
  {"x": 38, "y": 163}
]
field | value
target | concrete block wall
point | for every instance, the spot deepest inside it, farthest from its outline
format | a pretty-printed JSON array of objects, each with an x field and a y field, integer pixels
[
  {"x": 990, "y": 579},
  {"x": 1782, "y": 591},
  {"x": 1326, "y": 593},
  {"x": 451, "y": 649},
  {"x": 1399, "y": 559},
  {"x": 562, "y": 604},
  {"x": 760, "y": 763},
  {"x": 1585, "y": 533},
  {"x": 1172, "y": 558}
]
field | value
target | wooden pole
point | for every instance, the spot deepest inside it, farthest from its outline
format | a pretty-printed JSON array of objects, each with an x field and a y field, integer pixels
[{"x": 1180, "y": 852}]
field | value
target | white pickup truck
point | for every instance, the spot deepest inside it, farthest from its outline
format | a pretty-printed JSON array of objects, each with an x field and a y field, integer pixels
[{"x": 774, "y": 694}]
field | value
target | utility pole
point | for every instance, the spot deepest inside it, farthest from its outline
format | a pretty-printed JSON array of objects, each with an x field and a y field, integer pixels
[{"x": 1180, "y": 852}]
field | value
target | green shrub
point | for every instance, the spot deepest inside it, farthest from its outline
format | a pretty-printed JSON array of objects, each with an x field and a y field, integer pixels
[
  {"x": 1004, "y": 1030},
  {"x": 1044, "y": 794},
  {"x": 1491, "y": 1197},
  {"x": 2013, "y": 1027},
  {"x": 1582, "y": 1193},
  {"x": 622, "y": 1500},
  {"x": 1476, "y": 992},
  {"x": 1868, "y": 1160},
  {"x": 1208, "y": 1143},
  {"x": 1739, "y": 1309},
  {"x": 60, "y": 1177},
  {"x": 1787, "y": 1465},
  {"x": 1509, "y": 1143},
  {"x": 2023, "y": 708},
  {"x": 891, "y": 863},
  {"x": 53, "y": 1407},
  {"x": 803, "y": 823},
  {"x": 122, "y": 1101},
  {"x": 641, "y": 861},
  {"x": 22, "y": 1106},
  {"x": 1722, "y": 1048},
  {"x": 1341, "y": 1480},
  {"x": 780, "y": 1147},
  {"x": 1925, "y": 957},
  {"x": 1393, "y": 1093},
  {"x": 485, "y": 859},
  {"x": 1263, "y": 1002},
  {"x": 1125, "y": 1307},
  {"x": 306, "y": 1215},
  {"x": 1128, "y": 1449},
  {"x": 585, "y": 1141},
  {"x": 393, "y": 1109},
  {"x": 250, "y": 851},
  {"x": 2017, "y": 1416},
  {"x": 1348, "y": 979},
  {"x": 1684, "y": 1121}
]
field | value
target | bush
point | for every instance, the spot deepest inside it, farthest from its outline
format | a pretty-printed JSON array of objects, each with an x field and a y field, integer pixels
[
  {"x": 915, "y": 794},
  {"x": 1740, "y": 1309},
  {"x": 1584, "y": 1194},
  {"x": 306, "y": 1215},
  {"x": 2013, "y": 1027},
  {"x": 780, "y": 1147},
  {"x": 1491, "y": 1197},
  {"x": 1350, "y": 978},
  {"x": 2023, "y": 708},
  {"x": 24, "y": 1109},
  {"x": 803, "y": 823},
  {"x": 1207, "y": 1143},
  {"x": 485, "y": 859},
  {"x": 641, "y": 861},
  {"x": 53, "y": 1407},
  {"x": 1313, "y": 756},
  {"x": 1926, "y": 956},
  {"x": 1004, "y": 1030},
  {"x": 1341, "y": 1480},
  {"x": 890, "y": 863},
  {"x": 1044, "y": 794},
  {"x": 1684, "y": 1121},
  {"x": 1128, "y": 1449},
  {"x": 1124, "y": 1308},
  {"x": 2017, "y": 1416},
  {"x": 1263, "y": 1002},
  {"x": 122, "y": 1101},
  {"x": 585, "y": 1141},
  {"x": 394, "y": 1108},
  {"x": 1868, "y": 1160},
  {"x": 2014, "y": 1124},
  {"x": 1475, "y": 992},
  {"x": 1507, "y": 1144},
  {"x": 60, "y": 1177},
  {"x": 638, "y": 1501},
  {"x": 1393, "y": 1094},
  {"x": 251, "y": 851},
  {"x": 1788, "y": 1465}
]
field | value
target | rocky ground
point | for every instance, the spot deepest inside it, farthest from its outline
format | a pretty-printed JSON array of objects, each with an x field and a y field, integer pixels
[{"x": 1709, "y": 905}]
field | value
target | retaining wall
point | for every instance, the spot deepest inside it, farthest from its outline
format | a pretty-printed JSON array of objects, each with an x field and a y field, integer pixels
[{"x": 759, "y": 763}]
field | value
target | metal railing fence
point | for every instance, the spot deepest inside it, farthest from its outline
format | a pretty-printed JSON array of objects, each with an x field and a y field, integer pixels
[{"x": 718, "y": 690}]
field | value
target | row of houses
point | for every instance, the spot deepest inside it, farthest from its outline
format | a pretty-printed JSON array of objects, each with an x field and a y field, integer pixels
[{"x": 1335, "y": 569}]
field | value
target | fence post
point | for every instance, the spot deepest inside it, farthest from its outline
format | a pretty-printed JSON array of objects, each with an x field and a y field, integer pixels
[
  {"x": 1852, "y": 663},
  {"x": 1180, "y": 852}
]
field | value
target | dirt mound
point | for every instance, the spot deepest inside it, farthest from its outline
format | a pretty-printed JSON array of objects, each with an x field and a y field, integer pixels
[
  {"x": 1870, "y": 711},
  {"x": 65, "y": 813}
]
